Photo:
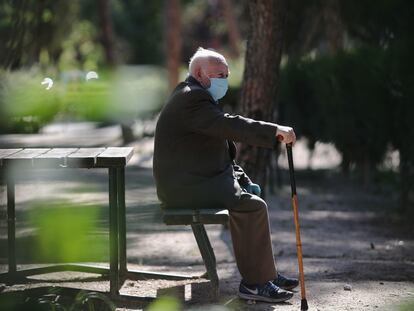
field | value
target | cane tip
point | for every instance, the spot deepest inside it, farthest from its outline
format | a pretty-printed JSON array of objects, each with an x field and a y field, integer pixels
[{"x": 304, "y": 304}]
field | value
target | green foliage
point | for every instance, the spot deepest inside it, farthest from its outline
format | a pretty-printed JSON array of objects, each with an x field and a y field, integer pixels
[
  {"x": 139, "y": 25},
  {"x": 401, "y": 81},
  {"x": 165, "y": 303},
  {"x": 24, "y": 100},
  {"x": 341, "y": 99},
  {"x": 63, "y": 233},
  {"x": 406, "y": 306},
  {"x": 29, "y": 28},
  {"x": 87, "y": 100},
  {"x": 387, "y": 25},
  {"x": 138, "y": 92},
  {"x": 299, "y": 102},
  {"x": 123, "y": 95},
  {"x": 80, "y": 49},
  {"x": 361, "y": 106},
  {"x": 377, "y": 22},
  {"x": 236, "y": 71}
]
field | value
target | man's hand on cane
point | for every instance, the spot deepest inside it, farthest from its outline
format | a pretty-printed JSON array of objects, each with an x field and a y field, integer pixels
[{"x": 285, "y": 134}]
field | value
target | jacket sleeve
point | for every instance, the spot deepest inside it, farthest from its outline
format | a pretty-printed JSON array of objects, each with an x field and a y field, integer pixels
[{"x": 203, "y": 116}]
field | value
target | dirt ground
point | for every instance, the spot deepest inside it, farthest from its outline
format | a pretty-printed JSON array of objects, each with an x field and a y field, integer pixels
[{"x": 351, "y": 239}]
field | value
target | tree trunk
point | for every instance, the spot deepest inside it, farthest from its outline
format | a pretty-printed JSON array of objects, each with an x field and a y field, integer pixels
[
  {"x": 173, "y": 41},
  {"x": 333, "y": 26},
  {"x": 16, "y": 36},
  {"x": 261, "y": 78},
  {"x": 232, "y": 27},
  {"x": 107, "y": 36}
]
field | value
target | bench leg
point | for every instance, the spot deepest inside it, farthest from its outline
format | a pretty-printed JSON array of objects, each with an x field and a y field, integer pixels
[
  {"x": 113, "y": 233},
  {"x": 208, "y": 244},
  {"x": 122, "y": 222},
  {"x": 207, "y": 254},
  {"x": 11, "y": 223}
]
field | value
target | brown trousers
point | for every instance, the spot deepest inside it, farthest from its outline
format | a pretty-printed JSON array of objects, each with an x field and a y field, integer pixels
[{"x": 250, "y": 233}]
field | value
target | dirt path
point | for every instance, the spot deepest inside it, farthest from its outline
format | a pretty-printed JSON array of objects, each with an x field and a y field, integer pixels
[{"x": 349, "y": 237}]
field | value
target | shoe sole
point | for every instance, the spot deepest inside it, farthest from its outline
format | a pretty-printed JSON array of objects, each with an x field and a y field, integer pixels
[
  {"x": 264, "y": 299},
  {"x": 288, "y": 287}
]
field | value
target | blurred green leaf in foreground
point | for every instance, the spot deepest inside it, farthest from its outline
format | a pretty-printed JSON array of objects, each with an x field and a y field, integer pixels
[{"x": 67, "y": 233}]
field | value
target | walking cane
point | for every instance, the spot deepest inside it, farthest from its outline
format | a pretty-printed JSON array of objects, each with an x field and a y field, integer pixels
[{"x": 304, "y": 302}]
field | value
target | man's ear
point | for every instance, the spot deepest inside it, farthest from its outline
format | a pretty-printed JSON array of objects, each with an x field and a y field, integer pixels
[{"x": 198, "y": 74}]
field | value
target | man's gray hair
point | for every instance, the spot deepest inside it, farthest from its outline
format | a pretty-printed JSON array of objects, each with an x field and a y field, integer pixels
[{"x": 202, "y": 56}]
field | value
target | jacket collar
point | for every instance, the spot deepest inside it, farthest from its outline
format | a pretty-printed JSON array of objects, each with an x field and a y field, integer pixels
[{"x": 190, "y": 79}]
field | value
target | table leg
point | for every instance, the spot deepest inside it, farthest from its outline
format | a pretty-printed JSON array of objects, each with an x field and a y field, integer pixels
[
  {"x": 11, "y": 225},
  {"x": 113, "y": 233},
  {"x": 122, "y": 221}
]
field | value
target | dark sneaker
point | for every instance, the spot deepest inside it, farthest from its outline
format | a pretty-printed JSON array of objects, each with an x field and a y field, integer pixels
[
  {"x": 267, "y": 293},
  {"x": 285, "y": 283}
]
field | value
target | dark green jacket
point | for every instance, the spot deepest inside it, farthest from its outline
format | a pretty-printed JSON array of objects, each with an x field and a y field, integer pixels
[{"x": 192, "y": 166}]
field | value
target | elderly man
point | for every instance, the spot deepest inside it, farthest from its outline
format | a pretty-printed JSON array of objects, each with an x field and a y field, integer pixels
[{"x": 194, "y": 168}]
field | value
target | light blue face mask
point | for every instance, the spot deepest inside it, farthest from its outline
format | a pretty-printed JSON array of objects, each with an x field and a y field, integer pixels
[{"x": 218, "y": 87}]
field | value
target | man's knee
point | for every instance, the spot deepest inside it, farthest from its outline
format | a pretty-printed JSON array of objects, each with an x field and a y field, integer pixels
[
  {"x": 259, "y": 203},
  {"x": 250, "y": 203}
]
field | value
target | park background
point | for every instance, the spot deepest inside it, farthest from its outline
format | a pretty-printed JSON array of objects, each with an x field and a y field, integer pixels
[{"x": 340, "y": 72}]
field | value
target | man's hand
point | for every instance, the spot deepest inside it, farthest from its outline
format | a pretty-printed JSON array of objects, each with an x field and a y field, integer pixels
[
  {"x": 285, "y": 134},
  {"x": 254, "y": 189}
]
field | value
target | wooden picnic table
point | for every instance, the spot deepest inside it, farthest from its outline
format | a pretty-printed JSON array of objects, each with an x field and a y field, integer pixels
[{"x": 114, "y": 159}]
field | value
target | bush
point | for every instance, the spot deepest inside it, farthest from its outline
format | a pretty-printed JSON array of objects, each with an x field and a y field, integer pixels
[
  {"x": 124, "y": 95},
  {"x": 341, "y": 99}
]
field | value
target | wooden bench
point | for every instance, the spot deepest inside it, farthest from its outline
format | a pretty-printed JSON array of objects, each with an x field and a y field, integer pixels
[{"x": 197, "y": 219}]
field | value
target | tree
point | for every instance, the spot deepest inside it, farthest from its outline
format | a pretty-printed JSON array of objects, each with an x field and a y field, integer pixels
[
  {"x": 388, "y": 25},
  {"x": 106, "y": 30},
  {"x": 173, "y": 41},
  {"x": 31, "y": 28},
  {"x": 138, "y": 29},
  {"x": 261, "y": 78},
  {"x": 233, "y": 29}
]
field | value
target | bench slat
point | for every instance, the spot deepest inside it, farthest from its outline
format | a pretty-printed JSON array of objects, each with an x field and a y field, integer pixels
[
  {"x": 8, "y": 152},
  {"x": 188, "y": 216},
  {"x": 55, "y": 157},
  {"x": 84, "y": 157},
  {"x": 27, "y": 153},
  {"x": 114, "y": 156},
  {"x": 23, "y": 157}
]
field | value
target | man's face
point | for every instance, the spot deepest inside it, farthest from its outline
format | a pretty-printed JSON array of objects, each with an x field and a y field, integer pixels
[{"x": 212, "y": 70}]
